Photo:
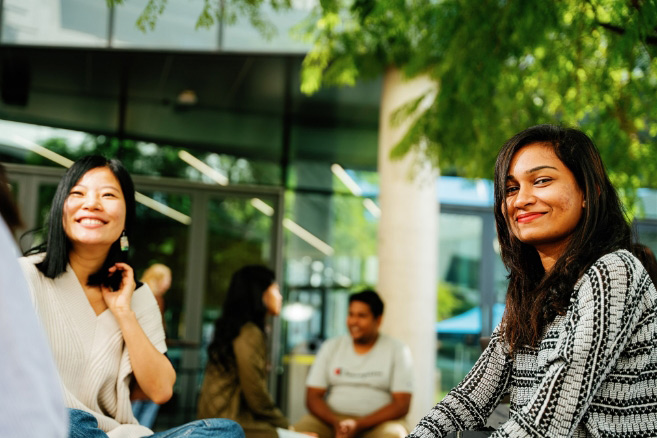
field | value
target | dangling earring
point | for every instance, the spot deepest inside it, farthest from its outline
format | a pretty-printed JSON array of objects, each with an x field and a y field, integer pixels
[
  {"x": 584, "y": 203},
  {"x": 123, "y": 242}
]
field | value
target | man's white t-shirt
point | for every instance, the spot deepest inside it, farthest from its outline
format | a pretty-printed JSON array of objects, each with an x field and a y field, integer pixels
[{"x": 359, "y": 384}]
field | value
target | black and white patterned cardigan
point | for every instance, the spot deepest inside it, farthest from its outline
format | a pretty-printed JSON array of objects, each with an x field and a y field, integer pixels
[{"x": 594, "y": 373}]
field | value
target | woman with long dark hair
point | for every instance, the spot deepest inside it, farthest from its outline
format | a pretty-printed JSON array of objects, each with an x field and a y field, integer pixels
[
  {"x": 577, "y": 345},
  {"x": 235, "y": 384},
  {"x": 104, "y": 329}
]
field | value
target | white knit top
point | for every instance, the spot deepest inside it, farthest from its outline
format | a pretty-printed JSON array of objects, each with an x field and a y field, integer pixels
[
  {"x": 94, "y": 367},
  {"x": 594, "y": 373}
]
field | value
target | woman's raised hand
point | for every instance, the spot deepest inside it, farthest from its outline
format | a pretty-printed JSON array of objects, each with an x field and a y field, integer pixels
[{"x": 119, "y": 300}]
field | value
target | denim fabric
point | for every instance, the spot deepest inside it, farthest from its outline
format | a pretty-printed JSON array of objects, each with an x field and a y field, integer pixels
[
  {"x": 145, "y": 411},
  {"x": 210, "y": 427},
  {"x": 83, "y": 425}
]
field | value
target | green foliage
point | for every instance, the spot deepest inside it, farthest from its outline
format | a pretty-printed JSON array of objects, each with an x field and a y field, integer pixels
[
  {"x": 357, "y": 39},
  {"x": 354, "y": 229},
  {"x": 502, "y": 66},
  {"x": 214, "y": 11},
  {"x": 446, "y": 303},
  {"x": 452, "y": 300}
]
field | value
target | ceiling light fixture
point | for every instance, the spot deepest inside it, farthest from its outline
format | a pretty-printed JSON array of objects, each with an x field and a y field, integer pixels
[
  {"x": 355, "y": 189},
  {"x": 297, "y": 312},
  {"x": 161, "y": 208},
  {"x": 206, "y": 170},
  {"x": 187, "y": 97},
  {"x": 372, "y": 207},
  {"x": 346, "y": 179}
]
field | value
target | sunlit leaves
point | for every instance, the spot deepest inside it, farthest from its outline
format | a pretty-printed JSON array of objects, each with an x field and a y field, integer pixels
[
  {"x": 214, "y": 11},
  {"x": 148, "y": 18},
  {"x": 503, "y": 66}
]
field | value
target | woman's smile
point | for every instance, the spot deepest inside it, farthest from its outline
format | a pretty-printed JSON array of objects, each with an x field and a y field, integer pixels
[
  {"x": 543, "y": 200},
  {"x": 528, "y": 217},
  {"x": 95, "y": 211}
]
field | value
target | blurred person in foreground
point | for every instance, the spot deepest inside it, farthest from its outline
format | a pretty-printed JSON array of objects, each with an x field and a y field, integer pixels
[
  {"x": 235, "y": 382},
  {"x": 577, "y": 345},
  {"x": 158, "y": 278},
  {"x": 104, "y": 329},
  {"x": 31, "y": 402},
  {"x": 360, "y": 384}
]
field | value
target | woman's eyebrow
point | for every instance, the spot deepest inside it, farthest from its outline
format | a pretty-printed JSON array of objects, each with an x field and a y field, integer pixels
[
  {"x": 537, "y": 168},
  {"x": 532, "y": 170},
  {"x": 82, "y": 186}
]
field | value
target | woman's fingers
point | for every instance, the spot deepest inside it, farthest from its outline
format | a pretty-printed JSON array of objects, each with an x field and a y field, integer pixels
[{"x": 120, "y": 299}]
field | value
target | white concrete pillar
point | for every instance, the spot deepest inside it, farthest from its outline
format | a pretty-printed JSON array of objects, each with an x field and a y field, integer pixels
[{"x": 408, "y": 242}]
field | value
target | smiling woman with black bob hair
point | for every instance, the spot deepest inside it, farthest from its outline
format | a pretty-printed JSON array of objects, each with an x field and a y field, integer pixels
[
  {"x": 105, "y": 331},
  {"x": 577, "y": 345},
  {"x": 57, "y": 245}
]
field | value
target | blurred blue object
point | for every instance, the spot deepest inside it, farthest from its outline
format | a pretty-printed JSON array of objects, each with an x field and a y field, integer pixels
[{"x": 469, "y": 322}]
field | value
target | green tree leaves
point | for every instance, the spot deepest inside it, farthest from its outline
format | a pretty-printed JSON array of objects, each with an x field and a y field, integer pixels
[{"x": 502, "y": 66}]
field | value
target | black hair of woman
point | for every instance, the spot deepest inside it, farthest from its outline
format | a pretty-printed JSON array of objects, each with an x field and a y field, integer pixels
[
  {"x": 244, "y": 303},
  {"x": 57, "y": 246},
  {"x": 603, "y": 228}
]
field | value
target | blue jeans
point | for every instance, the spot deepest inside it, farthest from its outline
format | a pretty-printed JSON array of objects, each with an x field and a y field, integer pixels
[
  {"x": 210, "y": 427},
  {"x": 85, "y": 425}
]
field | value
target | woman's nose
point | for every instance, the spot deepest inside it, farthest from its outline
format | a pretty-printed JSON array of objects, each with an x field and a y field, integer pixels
[
  {"x": 91, "y": 202},
  {"x": 524, "y": 197}
]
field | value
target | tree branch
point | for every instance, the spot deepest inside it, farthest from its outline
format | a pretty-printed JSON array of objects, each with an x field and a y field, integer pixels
[{"x": 648, "y": 39}]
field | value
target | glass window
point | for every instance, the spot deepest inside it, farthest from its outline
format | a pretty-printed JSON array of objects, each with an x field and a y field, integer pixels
[
  {"x": 500, "y": 280},
  {"x": 459, "y": 298},
  {"x": 647, "y": 200},
  {"x": 14, "y": 190},
  {"x": 331, "y": 244},
  {"x": 175, "y": 28},
  {"x": 22, "y": 143},
  {"x": 331, "y": 247},
  {"x": 243, "y": 37},
  {"x": 160, "y": 238},
  {"x": 46, "y": 194},
  {"x": 647, "y": 234},
  {"x": 19, "y": 143},
  {"x": 55, "y": 22},
  {"x": 233, "y": 170},
  {"x": 239, "y": 234}
]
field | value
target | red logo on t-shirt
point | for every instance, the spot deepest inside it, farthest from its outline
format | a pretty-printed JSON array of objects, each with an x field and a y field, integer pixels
[{"x": 338, "y": 371}]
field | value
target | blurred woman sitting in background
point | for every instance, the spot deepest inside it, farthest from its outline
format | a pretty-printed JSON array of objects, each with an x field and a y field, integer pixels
[{"x": 235, "y": 383}]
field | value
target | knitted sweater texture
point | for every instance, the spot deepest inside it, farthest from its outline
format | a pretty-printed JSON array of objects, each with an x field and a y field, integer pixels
[
  {"x": 593, "y": 374},
  {"x": 89, "y": 351}
]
